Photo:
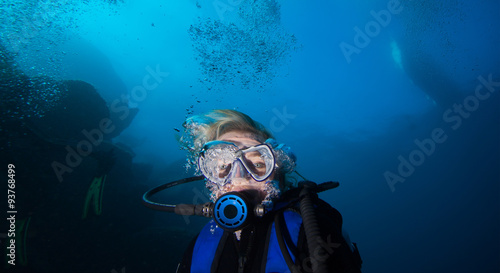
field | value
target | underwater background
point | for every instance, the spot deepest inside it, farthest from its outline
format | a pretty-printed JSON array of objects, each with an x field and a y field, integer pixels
[{"x": 396, "y": 100}]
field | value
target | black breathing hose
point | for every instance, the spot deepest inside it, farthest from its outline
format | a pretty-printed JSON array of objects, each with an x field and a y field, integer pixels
[
  {"x": 311, "y": 228},
  {"x": 182, "y": 209}
]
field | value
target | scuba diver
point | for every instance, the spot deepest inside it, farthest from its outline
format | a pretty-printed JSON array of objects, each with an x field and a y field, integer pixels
[{"x": 262, "y": 221}]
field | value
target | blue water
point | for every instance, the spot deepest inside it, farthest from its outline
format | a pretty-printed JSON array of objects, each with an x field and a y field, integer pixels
[{"x": 396, "y": 100}]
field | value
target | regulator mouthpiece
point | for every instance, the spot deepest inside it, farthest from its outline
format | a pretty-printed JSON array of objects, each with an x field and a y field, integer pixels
[{"x": 233, "y": 211}]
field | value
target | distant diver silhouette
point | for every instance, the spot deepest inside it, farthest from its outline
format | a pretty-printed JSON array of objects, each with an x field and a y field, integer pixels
[{"x": 95, "y": 192}]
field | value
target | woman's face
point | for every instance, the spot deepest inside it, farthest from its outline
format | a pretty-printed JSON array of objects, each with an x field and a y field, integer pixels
[{"x": 244, "y": 140}]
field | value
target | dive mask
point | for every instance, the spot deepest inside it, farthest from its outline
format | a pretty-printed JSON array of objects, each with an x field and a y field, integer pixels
[{"x": 220, "y": 161}]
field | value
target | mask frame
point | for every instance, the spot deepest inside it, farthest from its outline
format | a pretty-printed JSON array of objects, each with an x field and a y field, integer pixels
[{"x": 233, "y": 156}]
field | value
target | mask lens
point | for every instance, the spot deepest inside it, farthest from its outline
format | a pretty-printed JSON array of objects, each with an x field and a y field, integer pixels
[
  {"x": 216, "y": 160},
  {"x": 259, "y": 161}
]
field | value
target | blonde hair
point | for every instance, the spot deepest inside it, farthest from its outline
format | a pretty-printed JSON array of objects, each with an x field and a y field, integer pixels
[
  {"x": 203, "y": 128},
  {"x": 227, "y": 120}
]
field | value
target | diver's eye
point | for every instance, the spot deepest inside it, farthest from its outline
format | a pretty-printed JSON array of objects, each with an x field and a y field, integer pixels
[
  {"x": 223, "y": 170},
  {"x": 259, "y": 165}
]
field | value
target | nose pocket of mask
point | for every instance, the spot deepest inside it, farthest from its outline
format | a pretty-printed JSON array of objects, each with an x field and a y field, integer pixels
[{"x": 238, "y": 170}]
